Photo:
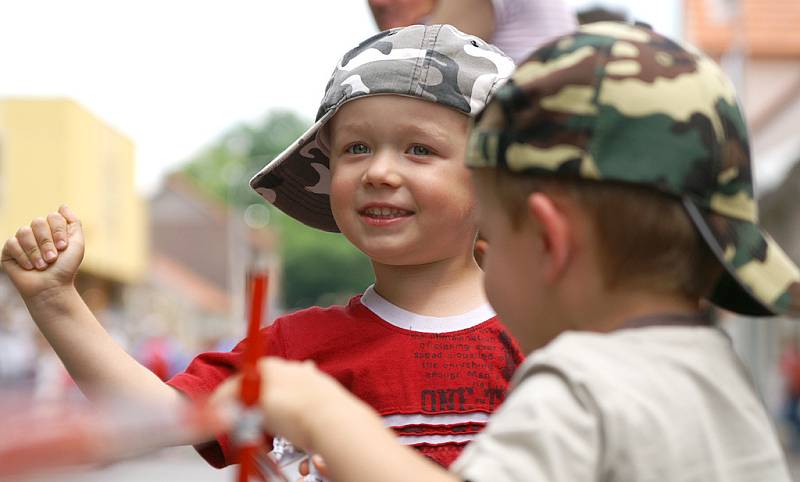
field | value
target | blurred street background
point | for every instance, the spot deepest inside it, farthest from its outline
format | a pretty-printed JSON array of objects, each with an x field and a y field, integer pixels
[{"x": 148, "y": 118}]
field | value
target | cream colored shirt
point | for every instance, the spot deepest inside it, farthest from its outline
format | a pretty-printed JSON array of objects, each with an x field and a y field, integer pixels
[{"x": 660, "y": 404}]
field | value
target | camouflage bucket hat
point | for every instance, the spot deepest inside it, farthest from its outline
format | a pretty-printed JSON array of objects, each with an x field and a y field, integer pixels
[
  {"x": 437, "y": 63},
  {"x": 617, "y": 102}
]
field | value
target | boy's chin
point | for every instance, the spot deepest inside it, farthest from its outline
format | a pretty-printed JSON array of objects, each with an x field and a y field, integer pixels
[
  {"x": 399, "y": 254},
  {"x": 393, "y": 257}
]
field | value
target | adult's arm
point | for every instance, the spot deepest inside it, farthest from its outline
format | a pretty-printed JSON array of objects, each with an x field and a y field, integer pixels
[{"x": 475, "y": 17}]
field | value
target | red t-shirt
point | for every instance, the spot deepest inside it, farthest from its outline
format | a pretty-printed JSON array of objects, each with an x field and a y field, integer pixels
[{"x": 434, "y": 380}]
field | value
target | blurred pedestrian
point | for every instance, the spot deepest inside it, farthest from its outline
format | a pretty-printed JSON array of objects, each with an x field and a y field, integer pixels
[
  {"x": 790, "y": 367},
  {"x": 517, "y": 27}
]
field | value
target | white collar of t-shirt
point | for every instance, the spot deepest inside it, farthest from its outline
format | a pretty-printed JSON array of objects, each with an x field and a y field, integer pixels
[{"x": 409, "y": 320}]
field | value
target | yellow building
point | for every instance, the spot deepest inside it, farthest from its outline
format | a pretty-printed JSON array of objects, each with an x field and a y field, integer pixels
[{"x": 53, "y": 151}]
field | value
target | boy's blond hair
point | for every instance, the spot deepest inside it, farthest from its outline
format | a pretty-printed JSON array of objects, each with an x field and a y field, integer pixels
[{"x": 644, "y": 238}]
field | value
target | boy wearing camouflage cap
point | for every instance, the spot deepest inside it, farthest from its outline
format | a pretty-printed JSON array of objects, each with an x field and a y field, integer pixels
[
  {"x": 614, "y": 182},
  {"x": 383, "y": 164}
]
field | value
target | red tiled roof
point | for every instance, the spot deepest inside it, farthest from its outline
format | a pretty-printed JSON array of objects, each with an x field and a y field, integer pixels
[
  {"x": 201, "y": 292},
  {"x": 771, "y": 27}
]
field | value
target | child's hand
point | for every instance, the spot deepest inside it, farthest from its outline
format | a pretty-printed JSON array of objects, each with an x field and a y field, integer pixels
[
  {"x": 318, "y": 415},
  {"x": 295, "y": 397},
  {"x": 305, "y": 467},
  {"x": 45, "y": 254}
]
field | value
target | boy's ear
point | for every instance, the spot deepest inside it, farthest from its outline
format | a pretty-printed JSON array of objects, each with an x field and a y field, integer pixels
[{"x": 554, "y": 231}]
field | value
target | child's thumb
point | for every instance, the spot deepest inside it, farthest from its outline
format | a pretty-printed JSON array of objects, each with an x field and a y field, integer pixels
[{"x": 73, "y": 223}]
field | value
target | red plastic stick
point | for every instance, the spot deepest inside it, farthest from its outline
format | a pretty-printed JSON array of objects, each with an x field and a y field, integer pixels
[{"x": 251, "y": 379}]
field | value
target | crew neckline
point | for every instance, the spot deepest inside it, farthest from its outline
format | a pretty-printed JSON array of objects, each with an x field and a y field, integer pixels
[{"x": 408, "y": 320}]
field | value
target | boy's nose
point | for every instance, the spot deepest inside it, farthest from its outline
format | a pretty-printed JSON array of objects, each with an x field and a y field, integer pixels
[{"x": 382, "y": 170}]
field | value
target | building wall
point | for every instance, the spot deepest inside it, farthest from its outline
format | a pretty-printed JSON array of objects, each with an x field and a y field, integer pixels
[
  {"x": 768, "y": 27},
  {"x": 769, "y": 83},
  {"x": 760, "y": 50},
  {"x": 186, "y": 231},
  {"x": 201, "y": 253},
  {"x": 53, "y": 151}
]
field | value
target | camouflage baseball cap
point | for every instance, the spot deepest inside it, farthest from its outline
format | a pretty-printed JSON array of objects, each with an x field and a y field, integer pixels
[
  {"x": 437, "y": 63},
  {"x": 618, "y": 102}
]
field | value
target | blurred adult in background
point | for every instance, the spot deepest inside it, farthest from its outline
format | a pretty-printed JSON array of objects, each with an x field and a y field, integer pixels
[
  {"x": 790, "y": 368},
  {"x": 517, "y": 27}
]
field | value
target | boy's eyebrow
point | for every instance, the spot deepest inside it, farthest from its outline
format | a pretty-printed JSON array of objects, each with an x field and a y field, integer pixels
[
  {"x": 429, "y": 129},
  {"x": 352, "y": 126},
  {"x": 421, "y": 128}
]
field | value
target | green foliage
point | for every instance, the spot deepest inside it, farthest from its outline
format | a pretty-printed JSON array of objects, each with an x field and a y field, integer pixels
[
  {"x": 318, "y": 268},
  {"x": 224, "y": 168}
]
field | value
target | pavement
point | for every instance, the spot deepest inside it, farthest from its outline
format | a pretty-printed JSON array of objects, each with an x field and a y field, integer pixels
[
  {"x": 183, "y": 463},
  {"x": 168, "y": 465}
]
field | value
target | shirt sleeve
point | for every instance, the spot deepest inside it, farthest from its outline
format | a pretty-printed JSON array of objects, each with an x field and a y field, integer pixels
[
  {"x": 206, "y": 372},
  {"x": 499, "y": 7},
  {"x": 546, "y": 430}
]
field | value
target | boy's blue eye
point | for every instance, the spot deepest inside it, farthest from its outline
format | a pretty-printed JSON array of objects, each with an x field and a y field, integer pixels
[
  {"x": 358, "y": 148},
  {"x": 418, "y": 150}
]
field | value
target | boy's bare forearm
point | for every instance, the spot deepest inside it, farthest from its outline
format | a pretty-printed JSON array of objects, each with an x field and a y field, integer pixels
[
  {"x": 357, "y": 447},
  {"x": 99, "y": 365},
  {"x": 316, "y": 413}
]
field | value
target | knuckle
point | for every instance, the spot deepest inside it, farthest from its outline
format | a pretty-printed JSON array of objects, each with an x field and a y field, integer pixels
[
  {"x": 38, "y": 222},
  {"x": 8, "y": 246},
  {"x": 43, "y": 237},
  {"x": 32, "y": 251},
  {"x": 24, "y": 231}
]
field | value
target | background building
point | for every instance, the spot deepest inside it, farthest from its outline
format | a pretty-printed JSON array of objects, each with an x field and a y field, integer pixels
[
  {"x": 201, "y": 252},
  {"x": 165, "y": 277},
  {"x": 53, "y": 151},
  {"x": 758, "y": 43}
]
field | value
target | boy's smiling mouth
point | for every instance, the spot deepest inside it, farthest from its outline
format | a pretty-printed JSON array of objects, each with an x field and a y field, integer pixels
[{"x": 382, "y": 214}]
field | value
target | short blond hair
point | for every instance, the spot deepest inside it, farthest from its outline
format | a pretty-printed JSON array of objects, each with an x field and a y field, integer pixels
[{"x": 645, "y": 238}]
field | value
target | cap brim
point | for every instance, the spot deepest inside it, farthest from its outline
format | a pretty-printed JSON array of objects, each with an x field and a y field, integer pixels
[
  {"x": 298, "y": 181},
  {"x": 759, "y": 278}
]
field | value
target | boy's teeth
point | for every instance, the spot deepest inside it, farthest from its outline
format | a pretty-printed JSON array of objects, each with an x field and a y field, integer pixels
[{"x": 385, "y": 212}]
